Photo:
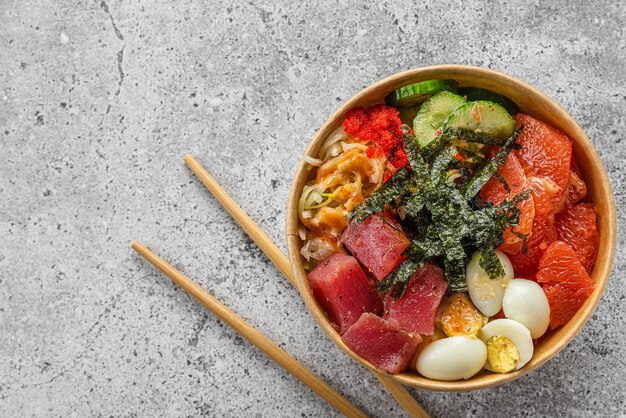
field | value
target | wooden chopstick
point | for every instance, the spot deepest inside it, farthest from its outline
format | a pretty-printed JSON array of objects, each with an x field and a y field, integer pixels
[
  {"x": 250, "y": 333},
  {"x": 399, "y": 392}
]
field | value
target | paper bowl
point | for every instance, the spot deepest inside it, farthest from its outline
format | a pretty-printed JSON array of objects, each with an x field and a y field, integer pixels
[{"x": 530, "y": 101}]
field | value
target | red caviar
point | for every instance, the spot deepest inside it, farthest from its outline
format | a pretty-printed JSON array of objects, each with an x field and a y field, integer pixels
[{"x": 380, "y": 126}]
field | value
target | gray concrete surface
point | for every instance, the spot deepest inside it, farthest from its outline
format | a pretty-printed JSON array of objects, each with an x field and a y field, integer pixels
[{"x": 100, "y": 99}]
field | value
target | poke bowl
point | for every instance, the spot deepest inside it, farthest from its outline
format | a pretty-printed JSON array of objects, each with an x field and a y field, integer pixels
[{"x": 451, "y": 226}]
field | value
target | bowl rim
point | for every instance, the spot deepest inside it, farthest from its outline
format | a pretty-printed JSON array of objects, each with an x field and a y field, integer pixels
[{"x": 583, "y": 149}]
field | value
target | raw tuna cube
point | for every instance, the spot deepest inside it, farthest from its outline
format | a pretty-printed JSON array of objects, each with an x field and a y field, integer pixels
[
  {"x": 341, "y": 287},
  {"x": 376, "y": 244},
  {"x": 415, "y": 310},
  {"x": 382, "y": 344}
]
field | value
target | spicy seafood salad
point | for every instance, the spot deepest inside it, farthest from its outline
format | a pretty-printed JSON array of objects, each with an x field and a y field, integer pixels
[{"x": 446, "y": 232}]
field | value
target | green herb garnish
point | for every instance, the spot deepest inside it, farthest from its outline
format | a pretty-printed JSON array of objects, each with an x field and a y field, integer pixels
[
  {"x": 447, "y": 222},
  {"x": 482, "y": 138},
  {"x": 399, "y": 278},
  {"x": 397, "y": 186},
  {"x": 482, "y": 174}
]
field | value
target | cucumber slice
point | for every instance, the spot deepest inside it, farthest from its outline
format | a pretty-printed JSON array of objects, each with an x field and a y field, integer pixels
[
  {"x": 482, "y": 116},
  {"x": 407, "y": 114},
  {"x": 432, "y": 114},
  {"x": 414, "y": 94},
  {"x": 474, "y": 93}
]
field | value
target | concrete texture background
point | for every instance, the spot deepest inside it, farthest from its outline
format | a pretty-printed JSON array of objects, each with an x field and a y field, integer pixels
[{"x": 100, "y": 99}]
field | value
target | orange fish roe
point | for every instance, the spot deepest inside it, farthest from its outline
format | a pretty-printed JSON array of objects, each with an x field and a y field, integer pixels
[{"x": 380, "y": 126}]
